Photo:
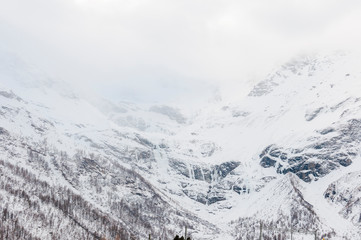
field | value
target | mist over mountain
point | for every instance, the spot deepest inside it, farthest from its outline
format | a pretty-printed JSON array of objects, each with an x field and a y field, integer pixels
[
  {"x": 218, "y": 120},
  {"x": 84, "y": 167}
]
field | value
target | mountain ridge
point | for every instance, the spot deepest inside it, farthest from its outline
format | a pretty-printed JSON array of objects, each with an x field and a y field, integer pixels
[{"x": 142, "y": 166}]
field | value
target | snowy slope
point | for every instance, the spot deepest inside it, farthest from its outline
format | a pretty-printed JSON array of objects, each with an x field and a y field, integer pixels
[
  {"x": 70, "y": 145},
  {"x": 286, "y": 155}
]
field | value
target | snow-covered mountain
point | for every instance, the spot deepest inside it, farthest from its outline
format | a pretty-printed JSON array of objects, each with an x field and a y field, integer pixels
[{"x": 286, "y": 156}]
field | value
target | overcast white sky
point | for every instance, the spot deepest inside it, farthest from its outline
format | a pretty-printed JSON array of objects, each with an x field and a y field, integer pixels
[{"x": 165, "y": 50}]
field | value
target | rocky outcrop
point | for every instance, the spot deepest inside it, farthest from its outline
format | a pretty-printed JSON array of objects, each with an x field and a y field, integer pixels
[
  {"x": 209, "y": 174},
  {"x": 345, "y": 193},
  {"x": 212, "y": 177},
  {"x": 319, "y": 158}
]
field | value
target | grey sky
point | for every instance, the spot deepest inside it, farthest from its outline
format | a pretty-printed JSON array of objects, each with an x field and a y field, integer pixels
[{"x": 165, "y": 50}]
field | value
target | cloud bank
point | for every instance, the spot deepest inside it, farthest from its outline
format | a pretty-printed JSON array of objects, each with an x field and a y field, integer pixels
[{"x": 165, "y": 50}]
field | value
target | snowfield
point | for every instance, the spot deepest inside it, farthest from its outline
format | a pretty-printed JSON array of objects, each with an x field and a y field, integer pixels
[{"x": 286, "y": 156}]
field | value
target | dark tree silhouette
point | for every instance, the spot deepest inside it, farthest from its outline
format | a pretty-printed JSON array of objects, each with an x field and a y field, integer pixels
[{"x": 181, "y": 238}]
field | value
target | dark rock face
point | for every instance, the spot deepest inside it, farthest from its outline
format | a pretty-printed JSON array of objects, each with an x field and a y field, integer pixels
[
  {"x": 198, "y": 173},
  {"x": 241, "y": 190},
  {"x": 212, "y": 196},
  {"x": 214, "y": 174},
  {"x": 201, "y": 198},
  {"x": 237, "y": 189},
  {"x": 215, "y": 199},
  {"x": 319, "y": 158},
  {"x": 331, "y": 192},
  {"x": 3, "y": 131},
  {"x": 225, "y": 168},
  {"x": 345, "y": 192},
  {"x": 145, "y": 155},
  {"x": 143, "y": 141},
  {"x": 268, "y": 162},
  {"x": 179, "y": 167},
  {"x": 201, "y": 173}
]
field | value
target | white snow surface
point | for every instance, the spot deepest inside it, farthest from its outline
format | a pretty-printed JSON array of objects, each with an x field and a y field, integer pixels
[{"x": 288, "y": 109}]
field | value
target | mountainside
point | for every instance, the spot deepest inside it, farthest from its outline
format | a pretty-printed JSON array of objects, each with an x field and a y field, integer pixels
[{"x": 286, "y": 156}]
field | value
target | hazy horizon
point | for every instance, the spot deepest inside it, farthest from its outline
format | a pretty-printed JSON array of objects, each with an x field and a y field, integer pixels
[{"x": 160, "y": 51}]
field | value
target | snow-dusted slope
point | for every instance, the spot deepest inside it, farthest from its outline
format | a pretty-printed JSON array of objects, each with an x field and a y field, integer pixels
[
  {"x": 279, "y": 156},
  {"x": 74, "y": 152}
]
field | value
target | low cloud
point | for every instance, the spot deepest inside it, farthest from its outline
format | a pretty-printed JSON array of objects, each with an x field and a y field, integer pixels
[{"x": 163, "y": 50}]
